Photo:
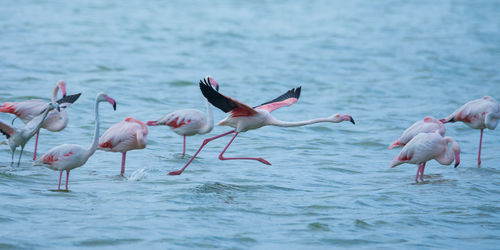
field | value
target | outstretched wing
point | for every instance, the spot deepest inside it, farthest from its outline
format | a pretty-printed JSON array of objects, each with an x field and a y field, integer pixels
[
  {"x": 67, "y": 100},
  {"x": 6, "y": 130},
  {"x": 286, "y": 99},
  {"x": 225, "y": 103}
]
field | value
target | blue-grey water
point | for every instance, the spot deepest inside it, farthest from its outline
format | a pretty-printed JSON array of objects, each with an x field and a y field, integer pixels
[{"x": 387, "y": 63}]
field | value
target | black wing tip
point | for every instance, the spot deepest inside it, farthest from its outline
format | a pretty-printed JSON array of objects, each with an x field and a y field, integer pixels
[
  {"x": 5, "y": 133},
  {"x": 69, "y": 98}
]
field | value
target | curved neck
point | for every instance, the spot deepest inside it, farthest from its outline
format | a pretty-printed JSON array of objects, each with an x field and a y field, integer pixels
[
  {"x": 447, "y": 157},
  {"x": 36, "y": 123},
  {"x": 59, "y": 124},
  {"x": 95, "y": 140},
  {"x": 54, "y": 93},
  {"x": 209, "y": 125},
  {"x": 491, "y": 120},
  {"x": 276, "y": 122}
]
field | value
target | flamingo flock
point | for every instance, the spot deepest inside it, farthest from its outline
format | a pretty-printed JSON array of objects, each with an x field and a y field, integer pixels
[{"x": 425, "y": 140}]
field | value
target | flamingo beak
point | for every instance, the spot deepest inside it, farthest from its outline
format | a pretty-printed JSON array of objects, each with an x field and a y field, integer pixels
[
  {"x": 152, "y": 123},
  {"x": 112, "y": 101},
  {"x": 443, "y": 121},
  {"x": 348, "y": 118},
  {"x": 352, "y": 120},
  {"x": 457, "y": 158}
]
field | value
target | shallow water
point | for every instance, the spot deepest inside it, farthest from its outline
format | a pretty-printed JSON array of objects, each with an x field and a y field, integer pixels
[{"x": 386, "y": 63}]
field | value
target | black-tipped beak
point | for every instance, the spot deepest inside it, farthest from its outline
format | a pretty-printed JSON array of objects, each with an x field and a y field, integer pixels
[
  {"x": 352, "y": 120},
  {"x": 456, "y": 164},
  {"x": 114, "y": 106},
  {"x": 58, "y": 109}
]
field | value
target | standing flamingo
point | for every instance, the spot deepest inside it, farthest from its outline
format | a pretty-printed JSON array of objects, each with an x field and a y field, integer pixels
[
  {"x": 20, "y": 136},
  {"x": 70, "y": 156},
  {"x": 244, "y": 118},
  {"x": 124, "y": 136},
  {"x": 425, "y": 147},
  {"x": 477, "y": 114},
  {"x": 188, "y": 122},
  {"x": 27, "y": 110},
  {"x": 428, "y": 125}
]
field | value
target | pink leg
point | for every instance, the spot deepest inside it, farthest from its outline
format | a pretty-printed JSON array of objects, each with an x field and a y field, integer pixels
[
  {"x": 479, "y": 154},
  {"x": 418, "y": 172},
  {"x": 422, "y": 171},
  {"x": 123, "y": 163},
  {"x": 60, "y": 176},
  {"x": 221, "y": 156},
  {"x": 36, "y": 144},
  {"x": 178, "y": 172},
  {"x": 184, "y": 147},
  {"x": 67, "y": 178}
]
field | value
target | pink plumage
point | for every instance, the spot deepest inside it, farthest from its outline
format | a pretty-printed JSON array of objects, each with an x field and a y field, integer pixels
[
  {"x": 425, "y": 147},
  {"x": 478, "y": 114},
  {"x": 428, "y": 125},
  {"x": 129, "y": 134}
]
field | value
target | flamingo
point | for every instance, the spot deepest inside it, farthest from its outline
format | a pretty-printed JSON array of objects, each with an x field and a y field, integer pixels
[
  {"x": 425, "y": 147},
  {"x": 27, "y": 110},
  {"x": 478, "y": 114},
  {"x": 244, "y": 118},
  {"x": 70, "y": 156},
  {"x": 124, "y": 136},
  {"x": 428, "y": 125},
  {"x": 188, "y": 122},
  {"x": 20, "y": 136}
]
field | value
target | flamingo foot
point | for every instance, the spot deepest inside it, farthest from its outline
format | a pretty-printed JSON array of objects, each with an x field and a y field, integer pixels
[
  {"x": 263, "y": 161},
  {"x": 178, "y": 172}
]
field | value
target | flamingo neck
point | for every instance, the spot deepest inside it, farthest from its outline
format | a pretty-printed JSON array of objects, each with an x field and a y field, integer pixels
[
  {"x": 276, "y": 122},
  {"x": 54, "y": 93},
  {"x": 37, "y": 122},
  {"x": 209, "y": 125},
  {"x": 447, "y": 157},
  {"x": 491, "y": 120},
  {"x": 95, "y": 140},
  {"x": 59, "y": 124}
]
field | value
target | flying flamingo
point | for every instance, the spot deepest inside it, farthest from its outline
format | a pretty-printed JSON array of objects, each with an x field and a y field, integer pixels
[
  {"x": 70, "y": 156},
  {"x": 244, "y": 118},
  {"x": 425, "y": 147},
  {"x": 27, "y": 110},
  {"x": 20, "y": 136},
  {"x": 478, "y": 114},
  {"x": 188, "y": 122},
  {"x": 428, "y": 125},
  {"x": 124, "y": 136}
]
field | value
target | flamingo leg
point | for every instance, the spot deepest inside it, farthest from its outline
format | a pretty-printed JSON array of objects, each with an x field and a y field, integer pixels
[
  {"x": 178, "y": 172},
  {"x": 67, "y": 178},
  {"x": 422, "y": 171},
  {"x": 12, "y": 161},
  {"x": 36, "y": 144},
  {"x": 60, "y": 176},
  {"x": 418, "y": 172},
  {"x": 184, "y": 147},
  {"x": 19, "y": 161},
  {"x": 123, "y": 162},
  {"x": 221, "y": 156},
  {"x": 479, "y": 154}
]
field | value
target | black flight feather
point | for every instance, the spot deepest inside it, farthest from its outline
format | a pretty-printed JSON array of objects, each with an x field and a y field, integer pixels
[
  {"x": 293, "y": 93},
  {"x": 215, "y": 98},
  {"x": 69, "y": 98},
  {"x": 5, "y": 133}
]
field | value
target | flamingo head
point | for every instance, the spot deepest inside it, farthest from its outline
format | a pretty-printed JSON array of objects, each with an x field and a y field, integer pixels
[
  {"x": 212, "y": 82},
  {"x": 341, "y": 117},
  {"x": 101, "y": 97},
  {"x": 62, "y": 86},
  {"x": 52, "y": 106}
]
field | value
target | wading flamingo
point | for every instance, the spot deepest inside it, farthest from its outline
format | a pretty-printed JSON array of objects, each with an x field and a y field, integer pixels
[
  {"x": 188, "y": 122},
  {"x": 70, "y": 156},
  {"x": 244, "y": 118},
  {"x": 478, "y": 114},
  {"x": 20, "y": 136},
  {"x": 425, "y": 147},
  {"x": 428, "y": 125},
  {"x": 124, "y": 136},
  {"x": 27, "y": 110}
]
